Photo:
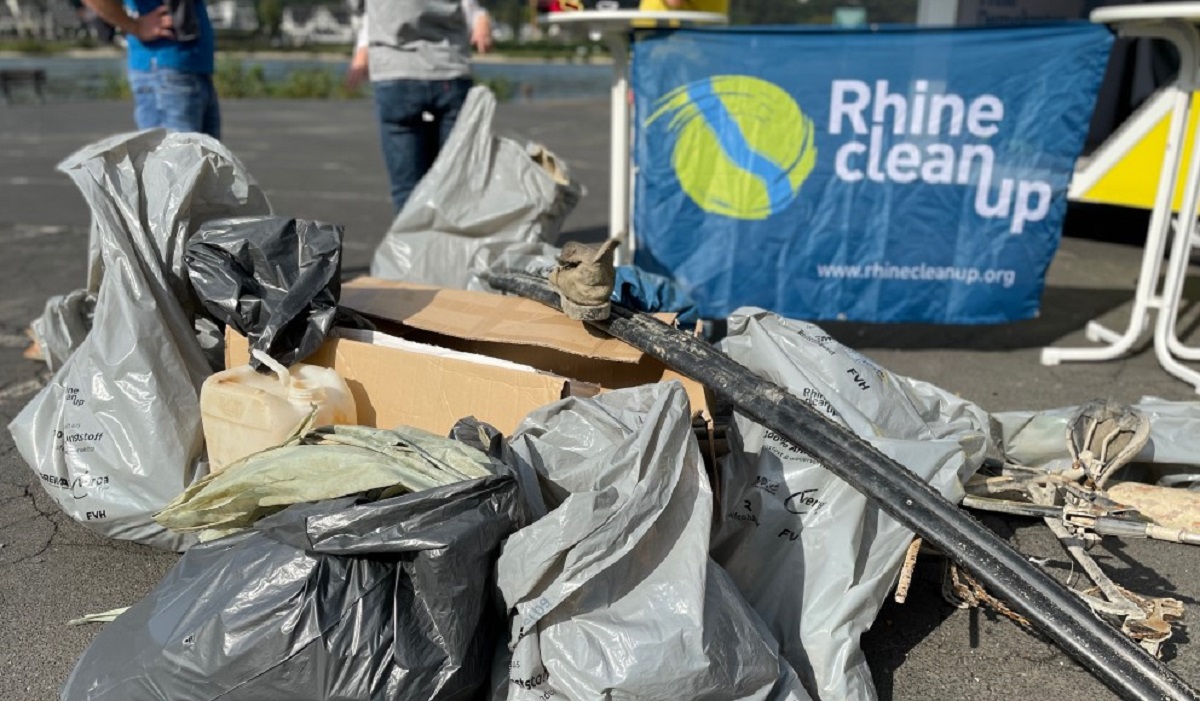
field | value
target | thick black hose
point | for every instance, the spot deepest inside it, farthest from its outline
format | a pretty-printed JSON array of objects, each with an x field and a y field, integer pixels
[{"x": 1055, "y": 611}]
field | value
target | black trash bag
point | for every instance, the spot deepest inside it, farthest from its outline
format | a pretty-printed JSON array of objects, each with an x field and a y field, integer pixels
[
  {"x": 488, "y": 440},
  {"x": 393, "y": 599},
  {"x": 276, "y": 280}
]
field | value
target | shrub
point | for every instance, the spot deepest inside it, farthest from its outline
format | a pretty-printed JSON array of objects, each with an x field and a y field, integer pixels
[
  {"x": 114, "y": 86},
  {"x": 503, "y": 88},
  {"x": 308, "y": 83},
  {"x": 233, "y": 79}
]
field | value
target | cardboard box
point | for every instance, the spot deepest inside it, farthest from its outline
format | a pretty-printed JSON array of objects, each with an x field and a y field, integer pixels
[{"x": 442, "y": 355}]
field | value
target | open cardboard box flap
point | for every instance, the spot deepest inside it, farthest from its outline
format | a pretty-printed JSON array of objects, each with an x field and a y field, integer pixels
[
  {"x": 395, "y": 381},
  {"x": 478, "y": 316},
  {"x": 511, "y": 328}
]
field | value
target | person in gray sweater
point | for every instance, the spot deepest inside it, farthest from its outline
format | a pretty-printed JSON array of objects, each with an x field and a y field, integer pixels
[{"x": 417, "y": 54}]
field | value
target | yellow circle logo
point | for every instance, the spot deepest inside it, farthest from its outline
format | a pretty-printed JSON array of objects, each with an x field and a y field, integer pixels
[{"x": 742, "y": 146}]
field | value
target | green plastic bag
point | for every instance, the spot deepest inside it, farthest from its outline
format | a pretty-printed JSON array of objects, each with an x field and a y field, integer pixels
[{"x": 319, "y": 464}]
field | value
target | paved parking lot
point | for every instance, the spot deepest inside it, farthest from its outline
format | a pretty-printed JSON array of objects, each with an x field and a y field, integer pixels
[{"x": 320, "y": 160}]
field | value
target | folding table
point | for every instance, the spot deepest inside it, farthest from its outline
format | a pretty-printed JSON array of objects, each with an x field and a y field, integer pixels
[{"x": 1176, "y": 22}]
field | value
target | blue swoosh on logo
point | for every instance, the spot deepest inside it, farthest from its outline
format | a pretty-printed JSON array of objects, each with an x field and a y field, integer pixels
[{"x": 733, "y": 143}]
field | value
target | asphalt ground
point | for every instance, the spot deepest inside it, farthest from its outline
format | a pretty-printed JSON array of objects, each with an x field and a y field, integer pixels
[{"x": 320, "y": 160}]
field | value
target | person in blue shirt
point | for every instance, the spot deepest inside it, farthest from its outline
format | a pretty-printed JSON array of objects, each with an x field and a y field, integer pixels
[{"x": 170, "y": 62}]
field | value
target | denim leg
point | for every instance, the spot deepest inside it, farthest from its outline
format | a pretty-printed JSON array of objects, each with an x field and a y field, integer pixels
[
  {"x": 408, "y": 142},
  {"x": 183, "y": 99},
  {"x": 450, "y": 96},
  {"x": 212, "y": 110},
  {"x": 144, "y": 86}
]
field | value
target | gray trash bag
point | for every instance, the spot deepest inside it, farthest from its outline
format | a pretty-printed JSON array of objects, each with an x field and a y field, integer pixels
[
  {"x": 813, "y": 556},
  {"x": 483, "y": 195},
  {"x": 612, "y": 594},
  {"x": 116, "y": 434},
  {"x": 63, "y": 325},
  {"x": 67, "y": 319},
  {"x": 529, "y": 258},
  {"x": 336, "y": 600},
  {"x": 1039, "y": 438}
]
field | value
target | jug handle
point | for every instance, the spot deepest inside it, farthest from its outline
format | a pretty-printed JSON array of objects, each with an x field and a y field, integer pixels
[{"x": 285, "y": 377}]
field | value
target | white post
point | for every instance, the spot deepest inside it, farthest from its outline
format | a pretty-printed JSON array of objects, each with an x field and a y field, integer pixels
[
  {"x": 1181, "y": 246},
  {"x": 618, "y": 215},
  {"x": 933, "y": 13}
]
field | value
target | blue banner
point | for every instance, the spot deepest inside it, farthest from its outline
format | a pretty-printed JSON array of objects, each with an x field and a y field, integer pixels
[{"x": 898, "y": 175}]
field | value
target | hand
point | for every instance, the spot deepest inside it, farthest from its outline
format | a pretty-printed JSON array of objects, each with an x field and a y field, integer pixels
[
  {"x": 359, "y": 70},
  {"x": 154, "y": 25},
  {"x": 481, "y": 33}
]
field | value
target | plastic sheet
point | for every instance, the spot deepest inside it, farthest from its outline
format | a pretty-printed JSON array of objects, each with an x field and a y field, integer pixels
[
  {"x": 1039, "y": 438},
  {"x": 612, "y": 593},
  {"x": 646, "y": 292},
  {"x": 276, "y": 280},
  {"x": 325, "y": 463},
  {"x": 483, "y": 196},
  {"x": 532, "y": 258},
  {"x": 116, "y": 433},
  {"x": 63, "y": 325},
  {"x": 336, "y": 600},
  {"x": 813, "y": 556}
]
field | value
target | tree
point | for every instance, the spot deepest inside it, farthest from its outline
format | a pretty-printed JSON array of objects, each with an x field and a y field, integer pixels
[
  {"x": 511, "y": 12},
  {"x": 270, "y": 16}
]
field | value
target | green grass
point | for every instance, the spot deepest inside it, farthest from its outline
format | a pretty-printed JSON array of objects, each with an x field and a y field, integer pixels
[
  {"x": 251, "y": 43},
  {"x": 503, "y": 88},
  {"x": 36, "y": 47},
  {"x": 236, "y": 79},
  {"x": 115, "y": 87}
]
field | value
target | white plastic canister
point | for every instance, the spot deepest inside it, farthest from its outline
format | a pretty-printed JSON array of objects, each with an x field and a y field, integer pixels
[{"x": 244, "y": 412}]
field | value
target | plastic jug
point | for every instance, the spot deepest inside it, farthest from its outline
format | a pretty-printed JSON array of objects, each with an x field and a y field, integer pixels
[{"x": 244, "y": 412}]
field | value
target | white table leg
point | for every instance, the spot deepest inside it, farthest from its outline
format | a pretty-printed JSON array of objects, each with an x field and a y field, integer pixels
[
  {"x": 1177, "y": 264},
  {"x": 618, "y": 213},
  {"x": 1146, "y": 295},
  {"x": 1176, "y": 346}
]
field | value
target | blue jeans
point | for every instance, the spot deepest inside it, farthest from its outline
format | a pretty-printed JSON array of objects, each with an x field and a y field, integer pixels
[
  {"x": 410, "y": 143},
  {"x": 163, "y": 97}
]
